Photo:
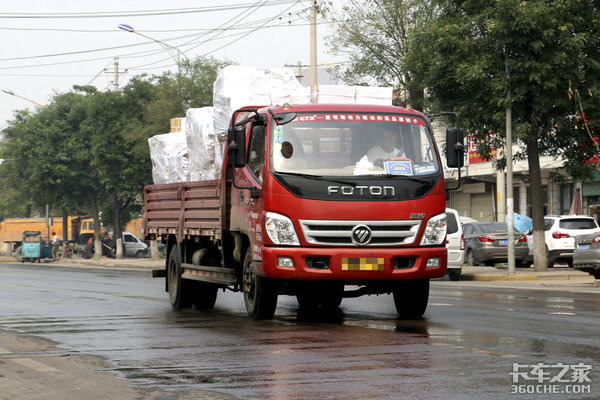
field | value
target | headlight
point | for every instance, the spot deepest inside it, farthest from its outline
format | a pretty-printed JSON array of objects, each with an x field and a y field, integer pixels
[
  {"x": 281, "y": 230},
  {"x": 435, "y": 231}
]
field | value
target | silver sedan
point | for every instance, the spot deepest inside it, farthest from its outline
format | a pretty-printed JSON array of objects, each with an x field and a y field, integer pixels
[{"x": 586, "y": 255}]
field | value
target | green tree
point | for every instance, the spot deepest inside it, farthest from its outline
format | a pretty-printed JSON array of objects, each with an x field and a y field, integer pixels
[
  {"x": 544, "y": 51},
  {"x": 374, "y": 35},
  {"x": 119, "y": 149}
]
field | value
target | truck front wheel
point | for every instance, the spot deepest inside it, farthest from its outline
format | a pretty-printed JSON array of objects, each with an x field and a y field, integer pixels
[
  {"x": 178, "y": 290},
  {"x": 260, "y": 297},
  {"x": 411, "y": 297}
]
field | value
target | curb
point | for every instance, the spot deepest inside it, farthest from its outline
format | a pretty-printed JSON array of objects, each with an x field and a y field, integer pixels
[{"x": 489, "y": 278}]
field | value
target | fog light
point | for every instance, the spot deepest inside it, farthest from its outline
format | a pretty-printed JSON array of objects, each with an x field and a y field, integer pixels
[
  {"x": 433, "y": 262},
  {"x": 285, "y": 262}
]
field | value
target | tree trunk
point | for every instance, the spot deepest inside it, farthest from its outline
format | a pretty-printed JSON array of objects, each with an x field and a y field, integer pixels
[
  {"x": 116, "y": 216},
  {"x": 94, "y": 211},
  {"x": 537, "y": 204},
  {"x": 65, "y": 226}
]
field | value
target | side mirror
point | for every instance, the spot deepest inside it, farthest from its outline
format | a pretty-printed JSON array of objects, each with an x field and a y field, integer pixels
[
  {"x": 236, "y": 137},
  {"x": 455, "y": 148}
]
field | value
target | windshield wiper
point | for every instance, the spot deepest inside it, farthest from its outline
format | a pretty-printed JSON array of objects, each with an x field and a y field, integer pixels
[
  {"x": 315, "y": 177},
  {"x": 410, "y": 177}
]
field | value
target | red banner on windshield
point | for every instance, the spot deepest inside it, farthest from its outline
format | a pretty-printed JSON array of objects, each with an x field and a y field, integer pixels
[{"x": 360, "y": 117}]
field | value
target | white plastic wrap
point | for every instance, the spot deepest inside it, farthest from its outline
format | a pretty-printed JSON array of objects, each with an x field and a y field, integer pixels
[
  {"x": 170, "y": 159},
  {"x": 238, "y": 86},
  {"x": 381, "y": 96},
  {"x": 204, "y": 149},
  {"x": 336, "y": 94},
  {"x": 340, "y": 94}
]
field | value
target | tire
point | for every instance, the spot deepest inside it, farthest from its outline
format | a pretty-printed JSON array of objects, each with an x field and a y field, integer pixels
[
  {"x": 411, "y": 298},
  {"x": 177, "y": 288},
  {"x": 454, "y": 275},
  {"x": 140, "y": 254},
  {"x": 471, "y": 259},
  {"x": 260, "y": 297},
  {"x": 549, "y": 261},
  {"x": 19, "y": 253},
  {"x": 321, "y": 297},
  {"x": 88, "y": 251},
  {"x": 203, "y": 295}
]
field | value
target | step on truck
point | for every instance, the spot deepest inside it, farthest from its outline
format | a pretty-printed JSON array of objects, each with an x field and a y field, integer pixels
[{"x": 320, "y": 202}]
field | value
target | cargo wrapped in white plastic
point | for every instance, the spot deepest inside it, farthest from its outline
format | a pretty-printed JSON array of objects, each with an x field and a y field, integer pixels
[
  {"x": 336, "y": 94},
  {"x": 204, "y": 149},
  {"x": 381, "y": 96},
  {"x": 238, "y": 86},
  {"x": 340, "y": 94},
  {"x": 170, "y": 159}
]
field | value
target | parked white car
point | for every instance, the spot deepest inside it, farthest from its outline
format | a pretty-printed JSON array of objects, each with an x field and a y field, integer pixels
[
  {"x": 560, "y": 232},
  {"x": 455, "y": 244}
]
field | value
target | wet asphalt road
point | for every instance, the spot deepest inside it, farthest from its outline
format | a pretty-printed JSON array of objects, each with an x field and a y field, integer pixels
[{"x": 464, "y": 348}]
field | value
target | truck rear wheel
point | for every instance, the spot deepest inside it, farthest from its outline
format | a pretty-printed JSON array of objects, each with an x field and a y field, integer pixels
[
  {"x": 260, "y": 297},
  {"x": 178, "y": 288},
  {"x": 411, "y": 297},
  {"x": 203, "y": 295}
]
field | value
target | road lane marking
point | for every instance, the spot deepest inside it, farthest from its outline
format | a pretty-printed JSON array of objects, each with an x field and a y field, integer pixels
[{"x": 34, "y": 365}]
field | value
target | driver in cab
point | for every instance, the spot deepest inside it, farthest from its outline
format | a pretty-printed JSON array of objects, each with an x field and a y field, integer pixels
[{"x": 388, "y": 148}]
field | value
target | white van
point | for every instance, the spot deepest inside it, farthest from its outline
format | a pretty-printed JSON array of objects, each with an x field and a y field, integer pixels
[
  {"x": 134, "y": 247},
  {"x": 455, "y": 244}
]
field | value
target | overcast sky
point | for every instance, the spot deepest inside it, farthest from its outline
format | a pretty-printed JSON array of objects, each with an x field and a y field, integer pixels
[{"x": 47, "y": 46}]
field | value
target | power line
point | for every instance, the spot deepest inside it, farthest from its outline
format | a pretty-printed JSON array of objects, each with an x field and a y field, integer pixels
[
  {"x": 137, "y": 44},
  {"x": 113, "y": 14},
  {"x": 248, "y": 30},
  {"x": 244, "y": 29}
]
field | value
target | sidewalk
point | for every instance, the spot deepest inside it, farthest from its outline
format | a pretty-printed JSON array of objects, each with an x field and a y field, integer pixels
[
  {"x": 558, "y": 276},
  {"x": 130, "y": 263}
]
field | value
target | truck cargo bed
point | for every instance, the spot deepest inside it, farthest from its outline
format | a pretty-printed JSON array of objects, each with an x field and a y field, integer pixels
[{"x": 185, "y": 208}]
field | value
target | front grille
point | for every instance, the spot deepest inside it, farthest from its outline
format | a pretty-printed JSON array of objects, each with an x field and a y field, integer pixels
[{"x": 339, "y": 233}]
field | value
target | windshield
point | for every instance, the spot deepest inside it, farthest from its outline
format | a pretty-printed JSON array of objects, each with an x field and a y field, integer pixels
[{"x": 351, "y": 145}]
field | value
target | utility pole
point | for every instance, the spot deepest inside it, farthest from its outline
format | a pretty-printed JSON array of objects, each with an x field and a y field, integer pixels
[
  {"x": 510, "y": 205},
  {"x": 116, "y": 73},
  {"x": 313, "y": 52},
  {"x": 299, "y": 72},
  {"x": 116, "y": 79}
]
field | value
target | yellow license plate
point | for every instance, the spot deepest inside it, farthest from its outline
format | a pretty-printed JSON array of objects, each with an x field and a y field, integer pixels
[{"x": 362, "y": 264}]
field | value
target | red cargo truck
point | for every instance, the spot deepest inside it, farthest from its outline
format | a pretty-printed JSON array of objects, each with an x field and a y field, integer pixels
[{"x": 320, "y": 202}]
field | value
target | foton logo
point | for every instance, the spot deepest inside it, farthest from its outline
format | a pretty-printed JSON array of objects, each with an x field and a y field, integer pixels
[
  {"x": 384, "y": 191},
  {"x": 361, "y": 234}
]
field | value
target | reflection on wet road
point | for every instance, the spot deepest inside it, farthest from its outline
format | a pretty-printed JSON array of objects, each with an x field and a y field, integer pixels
[{"x": 465, "y": 346}]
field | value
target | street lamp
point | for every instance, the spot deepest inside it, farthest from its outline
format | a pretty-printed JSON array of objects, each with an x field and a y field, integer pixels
[
  {"x": 7, "y": 91},
  {"x": 170, "y": 49}
]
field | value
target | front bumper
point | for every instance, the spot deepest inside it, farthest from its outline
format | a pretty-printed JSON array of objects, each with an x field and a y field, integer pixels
[{"x": 312, "y": 263}]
